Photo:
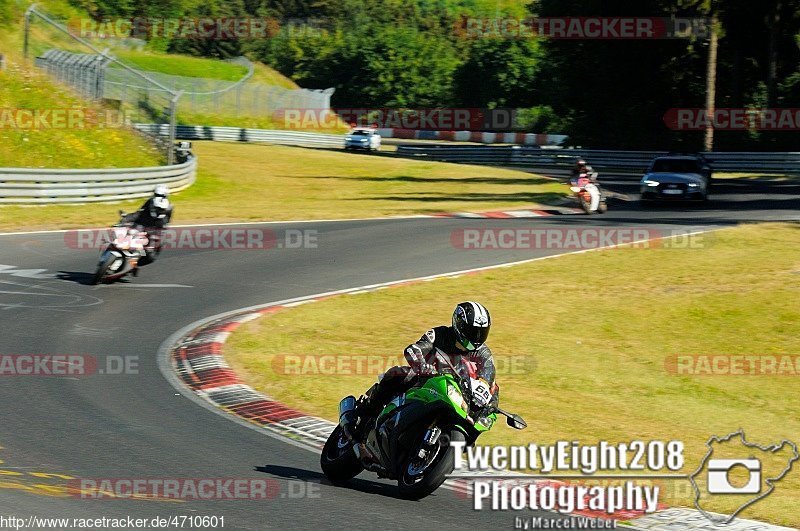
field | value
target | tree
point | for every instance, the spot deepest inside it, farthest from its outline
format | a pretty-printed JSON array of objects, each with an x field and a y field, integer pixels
[{"x": 498, "y": 72}]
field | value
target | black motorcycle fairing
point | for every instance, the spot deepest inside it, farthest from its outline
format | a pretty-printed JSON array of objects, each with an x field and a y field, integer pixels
[{"x": 395, "y": 436}]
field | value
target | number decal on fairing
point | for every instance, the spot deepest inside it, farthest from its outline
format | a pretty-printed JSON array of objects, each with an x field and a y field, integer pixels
[{"x": 481, "y": 392}]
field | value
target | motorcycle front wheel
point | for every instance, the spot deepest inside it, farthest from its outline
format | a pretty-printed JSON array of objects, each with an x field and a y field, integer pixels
[
  {"x": 419, "y": 477},
  {"x": 338, "y": 460},
  {"x": 585, "y": 205},
  {"x": 102, "y": 269}
]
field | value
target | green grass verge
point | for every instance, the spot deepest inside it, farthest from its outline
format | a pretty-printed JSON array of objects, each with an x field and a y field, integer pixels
[
  {"x": 181, "y": 65},
  {"x": 24, "y": 87},
  {"x": 249, "y": 182},
  {"x": 65, "y": 147},
  {"x": 597, "y": 345}
]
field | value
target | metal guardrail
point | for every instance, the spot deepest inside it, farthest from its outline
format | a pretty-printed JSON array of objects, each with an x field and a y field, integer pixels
[
  {"x": 634, "y": 162},
  {"x": 238, "y": 134},
  {"x": 46, "y": 186}
]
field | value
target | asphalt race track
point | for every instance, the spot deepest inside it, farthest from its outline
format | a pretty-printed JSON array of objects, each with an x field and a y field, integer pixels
[{"x": 139, "y": 426}]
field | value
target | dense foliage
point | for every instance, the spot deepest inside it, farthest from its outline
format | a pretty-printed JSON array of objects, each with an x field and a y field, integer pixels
[
  {"x": 610, "y": 93},
  {"x": 6, "y": 12}
]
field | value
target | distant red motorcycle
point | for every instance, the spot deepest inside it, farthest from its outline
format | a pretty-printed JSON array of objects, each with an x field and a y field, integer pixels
[{"x": 583, "y": 186}]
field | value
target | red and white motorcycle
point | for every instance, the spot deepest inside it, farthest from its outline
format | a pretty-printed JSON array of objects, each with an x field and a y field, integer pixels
[
  {"x": 121, "y": 255},
  {"x": 589, "y": 194}
]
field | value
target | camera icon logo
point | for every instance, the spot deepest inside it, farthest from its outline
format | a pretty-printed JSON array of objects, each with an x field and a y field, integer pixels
[{"x": 719, "y": 476}]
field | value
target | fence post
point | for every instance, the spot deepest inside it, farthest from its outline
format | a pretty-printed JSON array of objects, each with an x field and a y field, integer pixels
[
  {"x": 27, "y": 30},
  {"x": 173, "y": 111}
]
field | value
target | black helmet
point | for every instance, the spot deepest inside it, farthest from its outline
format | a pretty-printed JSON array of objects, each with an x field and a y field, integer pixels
[
  {"x": 580, "y": 164},
  {"x": 471, "y": 323}
]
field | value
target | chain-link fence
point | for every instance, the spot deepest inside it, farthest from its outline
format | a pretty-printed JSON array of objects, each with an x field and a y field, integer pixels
[
  {"x": 243, "y": 98},
  {"x": 84, "y": 72},
  {"x": 154, "y": 97},
  {"x": 84, "y": 67}
]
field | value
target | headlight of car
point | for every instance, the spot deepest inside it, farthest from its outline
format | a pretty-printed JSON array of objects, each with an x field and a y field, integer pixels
[
  {"x": 651, "y": 183},
  {"x": 693, "y": 185}
]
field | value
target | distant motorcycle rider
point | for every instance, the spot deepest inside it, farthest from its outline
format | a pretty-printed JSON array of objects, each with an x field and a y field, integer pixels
[
  {"x": 583, "y": 170},
  {"x": 152, "y": 218},
  {"x": 581, "y": 167},
  {"x": 155, "y": 213},
  {"x": 466, "y": 336}
]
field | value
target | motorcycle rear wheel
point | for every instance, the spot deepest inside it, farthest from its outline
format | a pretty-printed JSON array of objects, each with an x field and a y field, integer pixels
[
  {"x": 338, "y": 460},
  {"x": 414, "y": 486}
]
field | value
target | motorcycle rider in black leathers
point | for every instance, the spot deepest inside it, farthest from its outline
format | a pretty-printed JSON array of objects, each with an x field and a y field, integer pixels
[
  {"x": 152, "y": 218},
  {"x": 156, "y": 213},
  {"x": 465, "y": 337}
]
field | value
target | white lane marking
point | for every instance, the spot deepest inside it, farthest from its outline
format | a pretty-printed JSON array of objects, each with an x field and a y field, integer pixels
[
  {"x": 40, "y": 275},
  {"x": 289, "y": 221},
  {"x": 298, "y": 303},
  {"x": 131, "y": 285},
  {"x": 36, "y": 294},
  {"x": 248, "y": 317},
  {"x": 522, "y": 214},
  {"x": 236, "y": 224},
  {"x": 25, "y": 273}
]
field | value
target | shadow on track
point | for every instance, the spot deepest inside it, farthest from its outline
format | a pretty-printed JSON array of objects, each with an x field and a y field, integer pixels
[
  {"x": 79, "y": 277},
  {"x": 361, "y": 485}
]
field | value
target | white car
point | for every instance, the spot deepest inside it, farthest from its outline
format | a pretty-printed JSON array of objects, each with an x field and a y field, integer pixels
[{"x": 362, "y": 138}]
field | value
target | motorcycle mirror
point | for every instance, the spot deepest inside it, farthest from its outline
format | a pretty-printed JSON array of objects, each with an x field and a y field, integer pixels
[{"x": 516, "y": 422}]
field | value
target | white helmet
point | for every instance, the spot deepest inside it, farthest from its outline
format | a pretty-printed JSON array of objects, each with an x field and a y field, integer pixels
[{"x": 161, "y": 190}]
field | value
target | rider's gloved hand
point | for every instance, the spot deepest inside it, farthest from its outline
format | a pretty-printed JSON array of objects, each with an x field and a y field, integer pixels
[{"x": 425, "y": 369}]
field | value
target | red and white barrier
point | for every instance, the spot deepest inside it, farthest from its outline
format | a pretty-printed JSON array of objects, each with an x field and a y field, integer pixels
[{"x": 524, "y": 139}]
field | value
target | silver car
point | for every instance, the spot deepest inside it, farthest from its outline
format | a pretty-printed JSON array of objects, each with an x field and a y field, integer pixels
[{"x": 362, "y": 138}]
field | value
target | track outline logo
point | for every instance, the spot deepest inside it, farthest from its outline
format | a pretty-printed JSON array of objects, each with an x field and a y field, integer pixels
[{"x": 769, "y": 481}]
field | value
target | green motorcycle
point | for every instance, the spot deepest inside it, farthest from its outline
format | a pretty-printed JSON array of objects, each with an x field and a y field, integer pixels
[{"x": 410, "y": 439}]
